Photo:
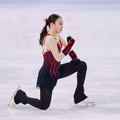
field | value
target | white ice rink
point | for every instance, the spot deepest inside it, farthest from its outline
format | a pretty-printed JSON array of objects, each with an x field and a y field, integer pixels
[{"x": 96, "y": 30}]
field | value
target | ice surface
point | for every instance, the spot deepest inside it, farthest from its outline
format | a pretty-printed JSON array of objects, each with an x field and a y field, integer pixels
[{"x": 97, "y": 35}]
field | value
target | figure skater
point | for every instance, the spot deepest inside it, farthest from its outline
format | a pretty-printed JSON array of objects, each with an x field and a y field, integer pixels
[{"x": 51, "y": 70}]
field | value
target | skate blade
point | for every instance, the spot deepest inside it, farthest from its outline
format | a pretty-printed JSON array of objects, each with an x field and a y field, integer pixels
[
  {"x": 11, "y": 102},
  {"x": 82, "y": 104},
  {"x": 88, "y": 102}
]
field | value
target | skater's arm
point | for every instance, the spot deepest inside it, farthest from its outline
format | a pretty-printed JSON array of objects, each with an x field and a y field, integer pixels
[
  {"x": 54, "y": 49},
  {"x": 52, "y": 43},
  {"x": 72, "y": 54},
  {"x": 64, "y": 43}
]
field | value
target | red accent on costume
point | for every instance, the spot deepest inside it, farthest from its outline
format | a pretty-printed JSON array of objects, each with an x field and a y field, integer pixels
[{"x": 49, "y": 61}]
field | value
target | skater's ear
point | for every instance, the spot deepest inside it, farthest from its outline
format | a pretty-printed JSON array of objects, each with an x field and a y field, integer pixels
[{"x": 52, "y": 24}]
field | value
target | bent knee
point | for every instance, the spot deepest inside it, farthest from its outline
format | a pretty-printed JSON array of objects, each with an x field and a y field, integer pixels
[
  {"x": 44, "y": 107},
  {"x": 83, "y": 65}
]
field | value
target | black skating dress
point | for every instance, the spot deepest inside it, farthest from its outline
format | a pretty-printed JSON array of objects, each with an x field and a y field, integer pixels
[{"x": 49, "y": 72}]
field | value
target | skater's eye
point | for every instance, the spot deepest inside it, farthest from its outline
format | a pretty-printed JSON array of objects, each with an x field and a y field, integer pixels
[{"x": 60, "y": 23}]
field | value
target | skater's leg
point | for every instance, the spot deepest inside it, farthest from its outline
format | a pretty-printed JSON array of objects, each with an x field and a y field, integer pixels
[
  {"x": 79, "y": 92},
  {"x": 80, "y": 67},
  {"x": 68, "y": 68},
  {"x": 42, "y": 103},
  {"x": 45, "y": 99}
]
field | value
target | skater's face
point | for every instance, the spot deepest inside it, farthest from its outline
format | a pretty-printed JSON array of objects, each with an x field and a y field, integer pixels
[{"x": 57, "y": 26}]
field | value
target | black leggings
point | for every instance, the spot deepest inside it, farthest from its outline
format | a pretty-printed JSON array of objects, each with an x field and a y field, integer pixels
[
  {"x": 44, "y": 101},
  {"x": 66, "y": 69}
]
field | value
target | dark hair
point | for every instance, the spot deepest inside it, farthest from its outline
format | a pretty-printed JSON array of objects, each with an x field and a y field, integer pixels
[{"x": 51, "y": 19}]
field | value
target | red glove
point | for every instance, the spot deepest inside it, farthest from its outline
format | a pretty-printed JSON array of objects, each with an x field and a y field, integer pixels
[
  {"x": 72, "y": 53},
  {"x": 67, "y": 49}
]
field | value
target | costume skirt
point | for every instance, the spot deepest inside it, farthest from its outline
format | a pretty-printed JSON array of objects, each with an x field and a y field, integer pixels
[{"x": 46, "y": 80}]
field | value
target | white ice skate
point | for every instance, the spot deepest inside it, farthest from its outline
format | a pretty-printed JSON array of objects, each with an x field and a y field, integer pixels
[
  {"x": 11, "y": 102},
  {"x": 86, "y": 102}
]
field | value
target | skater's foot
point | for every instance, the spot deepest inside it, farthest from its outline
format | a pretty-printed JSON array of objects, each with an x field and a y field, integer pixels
[
  {"x": 86, "y": 102},
  {"x": 11, "y": 102},
  {"x": 20, "y": 97},
  {"x": 79, "y": 98}
]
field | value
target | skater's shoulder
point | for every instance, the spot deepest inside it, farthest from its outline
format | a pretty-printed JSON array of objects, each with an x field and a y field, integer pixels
[{"x": 50, "y": 39}]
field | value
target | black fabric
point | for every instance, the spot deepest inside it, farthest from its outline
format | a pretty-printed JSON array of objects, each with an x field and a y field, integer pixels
[
  {"x": 44, "y": 101},
  {"x": 45, "y": 79},
  {"x": 73, "y": 55},
  {"x": 65, "y": 70},
  {"x": 20, "y": 97},
  {"x": 80, "y": 67},
  {"x": 67, "y": 49}
]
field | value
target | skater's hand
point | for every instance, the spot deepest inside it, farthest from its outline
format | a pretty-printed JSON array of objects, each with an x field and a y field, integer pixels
[
  {"x": 72, "y": 54},
  {"x": 69, "y": 38},
  {"x": 67, "y": 49}
]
